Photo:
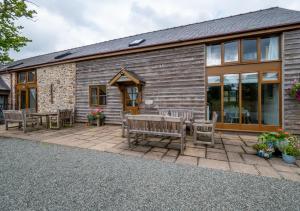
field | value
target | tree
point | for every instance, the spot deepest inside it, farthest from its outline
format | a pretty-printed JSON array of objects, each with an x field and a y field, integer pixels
[{"x": 10, "y": 32}]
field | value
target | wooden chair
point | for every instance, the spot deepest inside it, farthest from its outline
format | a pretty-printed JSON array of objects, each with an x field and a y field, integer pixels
[
  {"x": 20, "y": 117},
  {"x": 123, "y": 121},
  {"x": 187, "y": 115},
  {"x": 205, "y": 130},
  {"x": 62, "y": 118}
]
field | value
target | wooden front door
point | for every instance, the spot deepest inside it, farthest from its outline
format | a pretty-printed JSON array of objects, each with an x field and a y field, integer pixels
[{"x": 131, "y": 99}]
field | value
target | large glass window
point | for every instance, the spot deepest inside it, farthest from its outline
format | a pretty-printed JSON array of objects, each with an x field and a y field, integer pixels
[
  {"x": 270, "y": 104},
  {"x": 231, "y": 98},
  {"x": 132, "y": 96},
  {"x": 98, "y": 95},
  {"x": 21, "y": 77},
  {"x": 270, "y": 76},
  {"x": 213, "y": 55},
  {"x": 269, "y": 48},
  {"x": 249, "y": 98},
  {"x": 214, "y": 101},
  {"x": 231, "y": 52},
  {"x": 213, "y": 79},
  {"x": 249, "y": 50}
]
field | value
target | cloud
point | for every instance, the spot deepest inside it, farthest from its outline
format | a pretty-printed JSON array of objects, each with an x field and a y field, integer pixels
[{"x": 66, "y": 24}]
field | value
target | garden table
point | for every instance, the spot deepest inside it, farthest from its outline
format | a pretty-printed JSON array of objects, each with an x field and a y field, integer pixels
[{"x": 46, "y": 115}]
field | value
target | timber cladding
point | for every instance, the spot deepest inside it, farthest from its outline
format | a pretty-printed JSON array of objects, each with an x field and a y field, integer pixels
[
  {"x": 291, "y": 71},
  {"x": 174, "y": 78}
]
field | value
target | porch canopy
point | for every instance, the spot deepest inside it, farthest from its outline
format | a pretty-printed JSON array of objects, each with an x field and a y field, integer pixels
[{"x": 125, "y": 77}]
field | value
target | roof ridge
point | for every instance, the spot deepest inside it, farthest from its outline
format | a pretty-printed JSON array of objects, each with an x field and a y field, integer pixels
[{"x": 74, "y": 48}]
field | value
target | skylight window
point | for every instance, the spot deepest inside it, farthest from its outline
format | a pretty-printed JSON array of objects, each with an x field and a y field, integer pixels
[
  {"x": 63, "y": 55},
  {"x": 136, "y": 42},
  {"x": 14, "y": 65}
]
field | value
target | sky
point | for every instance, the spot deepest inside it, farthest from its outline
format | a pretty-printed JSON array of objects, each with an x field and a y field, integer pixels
[{"x": 64, "y": 24}]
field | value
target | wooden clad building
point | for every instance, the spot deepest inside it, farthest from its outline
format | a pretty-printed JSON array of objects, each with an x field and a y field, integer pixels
[{"x": 241, "y": 67}]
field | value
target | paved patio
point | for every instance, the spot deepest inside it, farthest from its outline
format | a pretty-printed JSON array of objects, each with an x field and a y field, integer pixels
[{"x": 231, "y": 153}]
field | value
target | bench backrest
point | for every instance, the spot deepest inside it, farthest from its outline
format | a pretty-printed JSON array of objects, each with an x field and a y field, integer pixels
[
  {"x": 187, "y": 115},
  {"x": 14, "y": 115},
  {"x": 158, "y": 124}
]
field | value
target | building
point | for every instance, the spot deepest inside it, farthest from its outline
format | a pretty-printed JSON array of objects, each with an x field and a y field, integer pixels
[{"x": 239, "y": 66}]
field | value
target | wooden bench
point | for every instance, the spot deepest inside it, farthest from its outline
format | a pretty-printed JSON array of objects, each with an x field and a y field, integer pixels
[
  {"x": 156, "y": 125},
  {"x": 62, "y": 118},
  {"x": 187, "y": 115},
  {"x": 18, "y": 116}
]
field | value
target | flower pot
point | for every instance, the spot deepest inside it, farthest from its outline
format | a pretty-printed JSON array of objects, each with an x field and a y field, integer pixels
[
  {"x": 263, "y": 154},
  {"x": 288, "y": 158}
]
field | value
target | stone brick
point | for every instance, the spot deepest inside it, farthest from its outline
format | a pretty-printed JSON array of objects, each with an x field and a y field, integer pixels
[
  {"x": 253, "y": 159},
  {"x": 213, "y": 164},
  {"x": 243, "y": 168},
  {"x": 182, "y": 159},
  {"x": 267, "y": 171},
  {"x": 216, "y": 156}
]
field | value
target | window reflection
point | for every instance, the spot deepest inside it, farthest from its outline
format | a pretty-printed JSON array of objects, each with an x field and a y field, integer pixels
[
  {"x": 249, "y": 50},
  {"x": 270, "y": 104},
  {"x": 213, "y": 53},
  {"x": 231, "y": 53},
  {"x": 231, "y": 98}
]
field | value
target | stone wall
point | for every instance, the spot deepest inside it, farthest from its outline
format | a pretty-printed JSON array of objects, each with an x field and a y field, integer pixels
[
  {"x": 62, "y": 77},
  {"x": 291, "y": 71}
]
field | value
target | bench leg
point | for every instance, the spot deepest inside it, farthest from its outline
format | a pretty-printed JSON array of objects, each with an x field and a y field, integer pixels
[
  {"x": 182, "y": 145},
  {"x": 123, "y": 130},
  {"x": 128, "y": 139},
  {"x": 6, "y": 125}
]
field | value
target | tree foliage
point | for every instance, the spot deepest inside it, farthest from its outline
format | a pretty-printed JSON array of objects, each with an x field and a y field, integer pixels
[{"x": 10, "y": 32}]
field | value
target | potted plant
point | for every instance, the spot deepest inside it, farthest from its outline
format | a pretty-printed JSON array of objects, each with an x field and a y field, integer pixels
[
  {"x": 264, "y": 149},
  {"x": 290, "y": 150},
  {"x": 96, "y": 117},
  {"x": 294, "y": 91}
]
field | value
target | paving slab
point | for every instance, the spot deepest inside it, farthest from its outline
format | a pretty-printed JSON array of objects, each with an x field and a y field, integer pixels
[
  {"x": 140, "y": 148},
  {"x": 153, "y": 155},
  {"x": 172, "y": 152},
  {"x": 216, "y": 156},
  {"x": 249, "y": 150},
  {"x": 235, "y": 157},
  {"x": 182, "y": 159},
  {"x": 233, "y": 142},
  {"x": 243, "y": 168},
  {"x": 234, "y": 148},
  {"x": 194, "y": 152},
  {"x": 158, "y": 149},
  {"x": 213, "y": 164},
  {"x": 284, "y": 168},
  {"x": 170, "y": 159},
  {"x": 210, "y": 149},
  {"x": 290, "y": 176},
  {"x": 267, "y": 171},
  {"x": 253, "y": 159}
]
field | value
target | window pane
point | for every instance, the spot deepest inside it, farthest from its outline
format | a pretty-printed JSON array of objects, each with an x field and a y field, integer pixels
[
  {"x": 249, "y": 50},
  {"x": 31, "y": 76},
  {"x": 231, "y": 51},
  {"x": 214, "y": 101},
  {"x": 270, "y": 104},
  {"x": 269, "y": 48},
  {"x": 94, "y": 96},
  {"x": 32, "y": 99},
  {"x": 102, "y": 90},
  {"x": 213, "y": 56},
  {"x": 21, "y": 77},
  {"x": 213, "y": 79},
  {"x": 270, "y": 76},
  {"x": 102, "y": 100},
  {"x": 250, "y": 98},
  {"x": 231, "y": 98}
]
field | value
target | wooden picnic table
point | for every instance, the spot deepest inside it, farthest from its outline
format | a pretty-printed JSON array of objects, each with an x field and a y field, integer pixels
[{"x": 46, "y": 115}]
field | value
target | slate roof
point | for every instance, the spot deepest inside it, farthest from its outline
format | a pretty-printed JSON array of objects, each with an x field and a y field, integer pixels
[
  {"x": 262, "y": 19},
  {"x": 3, "y": 85}
]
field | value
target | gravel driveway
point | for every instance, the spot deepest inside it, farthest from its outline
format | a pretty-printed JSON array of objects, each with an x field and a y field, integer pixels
[{"x": 38, "y": 176}]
